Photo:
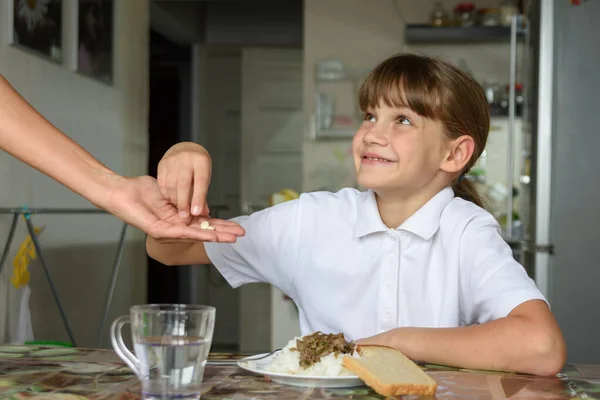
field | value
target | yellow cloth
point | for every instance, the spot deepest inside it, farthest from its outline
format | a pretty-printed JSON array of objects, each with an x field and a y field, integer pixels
[{"x": 25, "y": 254}]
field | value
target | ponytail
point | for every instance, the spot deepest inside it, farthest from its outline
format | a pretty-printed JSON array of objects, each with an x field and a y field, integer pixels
[{"x": 465, "y": 189}]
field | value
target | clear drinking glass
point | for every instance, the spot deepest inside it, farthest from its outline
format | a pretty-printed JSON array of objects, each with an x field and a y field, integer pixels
[{"x": 171, "y": 342}]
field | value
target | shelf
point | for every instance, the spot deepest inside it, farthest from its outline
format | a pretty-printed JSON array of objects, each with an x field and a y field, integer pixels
[
  {"x": 420, "y": 33},
  {"x": 335, "y": 134}
]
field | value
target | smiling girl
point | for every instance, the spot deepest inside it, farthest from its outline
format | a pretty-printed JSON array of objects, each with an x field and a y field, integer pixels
[{"x": 414, "y": 261}]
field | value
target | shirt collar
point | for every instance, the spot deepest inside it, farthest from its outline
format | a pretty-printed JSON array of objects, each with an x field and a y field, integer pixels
[
  {"x": 368, "y": 219},
  {"x": 424, "y": 223}
]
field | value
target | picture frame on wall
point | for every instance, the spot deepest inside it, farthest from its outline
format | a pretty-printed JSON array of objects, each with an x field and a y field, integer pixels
[
  {"x": 37, "y": 27},
  {"x": 95, "y": 39}
]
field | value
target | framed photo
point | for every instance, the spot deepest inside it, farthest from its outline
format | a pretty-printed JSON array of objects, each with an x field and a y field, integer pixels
[
  {"x": 95, "y": 39},
  {"x": 38, "y": 27}
]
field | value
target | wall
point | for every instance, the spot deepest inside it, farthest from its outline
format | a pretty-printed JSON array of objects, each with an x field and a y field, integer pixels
[
  {"x": 109, "y": 121},
  {"x": 361, "y": 33}
]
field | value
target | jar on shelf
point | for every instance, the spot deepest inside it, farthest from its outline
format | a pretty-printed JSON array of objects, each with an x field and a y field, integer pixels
[
  {"x": 464, "y": 14},
  {"x": 493, "y": 93},
  {"x": 330, "y": 70},
  {"x": 439, "y": 15},
  {"x": 508, "y": 9},
  {"x": 519, "y": 100},
  {"x": 489, "y": 17}
]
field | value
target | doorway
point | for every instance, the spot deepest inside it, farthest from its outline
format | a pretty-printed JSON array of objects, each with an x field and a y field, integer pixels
[{"x": 169, "y": 122}]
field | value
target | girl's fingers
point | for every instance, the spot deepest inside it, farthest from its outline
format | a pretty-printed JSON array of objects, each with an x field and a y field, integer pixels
[{"x": 184, "y": 190}]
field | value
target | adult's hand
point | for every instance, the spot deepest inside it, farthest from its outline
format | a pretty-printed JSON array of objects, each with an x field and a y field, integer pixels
[{"x": 139, "y": 202}]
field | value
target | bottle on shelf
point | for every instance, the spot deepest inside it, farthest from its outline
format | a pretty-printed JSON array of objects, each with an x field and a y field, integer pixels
[
  {"x": 508, "y": 9},
  {"x": 439, "y": 15},
  {"x": 464, "y": 14}
]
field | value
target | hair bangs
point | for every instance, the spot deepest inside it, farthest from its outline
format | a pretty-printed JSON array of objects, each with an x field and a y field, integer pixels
[{"x": 398, "y": 83}]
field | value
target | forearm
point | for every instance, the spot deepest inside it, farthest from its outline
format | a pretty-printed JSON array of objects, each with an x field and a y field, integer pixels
[
  {"x": 26, "y": 135},
  {"x": 506, "y": 344},
  {"x": 177, "y": 253}
]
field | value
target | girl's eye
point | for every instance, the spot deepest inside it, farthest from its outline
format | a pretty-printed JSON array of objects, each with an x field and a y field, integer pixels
[
  {"x": 369, "y": 117},
  {"x": 402, "y": 120}
]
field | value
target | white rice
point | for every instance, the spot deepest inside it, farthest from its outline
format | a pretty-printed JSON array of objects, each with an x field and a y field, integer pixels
[{"x": 288, "y": 362}]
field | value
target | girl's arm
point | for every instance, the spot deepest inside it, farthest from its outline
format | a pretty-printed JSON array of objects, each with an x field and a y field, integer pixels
[
  {"x": 177, "y": 253},
  {"x": 528, "y": 340}
]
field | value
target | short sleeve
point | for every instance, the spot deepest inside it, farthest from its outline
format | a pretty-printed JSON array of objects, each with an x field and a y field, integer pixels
[
  {"x": 493, "y": 283},
  {"x": 267, "y": 253}
]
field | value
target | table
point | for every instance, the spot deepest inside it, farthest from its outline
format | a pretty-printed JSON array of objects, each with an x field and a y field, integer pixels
[{"x": 80, "y": 374}]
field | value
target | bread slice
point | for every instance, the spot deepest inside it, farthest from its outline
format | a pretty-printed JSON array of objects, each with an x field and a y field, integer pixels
[{"x": 389, "y": 372}]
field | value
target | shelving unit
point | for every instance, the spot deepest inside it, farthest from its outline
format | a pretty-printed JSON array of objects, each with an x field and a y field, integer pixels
[
  {"x": 343, "y": 115},
  {"x": 423, "y": 33},
  {"x": 335, "y": 134}
]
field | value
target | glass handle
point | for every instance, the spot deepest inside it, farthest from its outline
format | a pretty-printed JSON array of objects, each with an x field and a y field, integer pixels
[{"x": 119, "y": 346}]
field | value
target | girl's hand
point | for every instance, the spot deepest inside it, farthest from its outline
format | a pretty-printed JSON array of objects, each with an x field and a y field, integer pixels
[{"x": 184, "y": 176}]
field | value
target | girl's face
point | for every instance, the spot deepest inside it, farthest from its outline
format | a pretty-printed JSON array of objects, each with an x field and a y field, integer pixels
[{"x": 397, "y": 151}]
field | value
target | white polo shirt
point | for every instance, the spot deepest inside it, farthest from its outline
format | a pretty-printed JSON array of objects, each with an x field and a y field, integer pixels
[{"x": 446, "y": 266}]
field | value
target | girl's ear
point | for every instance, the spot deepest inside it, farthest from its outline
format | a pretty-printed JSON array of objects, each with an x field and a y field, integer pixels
[{"x": 459, "y": 154}]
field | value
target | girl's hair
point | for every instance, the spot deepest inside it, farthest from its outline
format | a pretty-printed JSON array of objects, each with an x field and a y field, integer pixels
[{"x": 437, "y": 90}]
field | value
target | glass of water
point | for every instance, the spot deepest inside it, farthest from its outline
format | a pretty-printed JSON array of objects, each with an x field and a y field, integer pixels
[{"x": 171, "y": 344}]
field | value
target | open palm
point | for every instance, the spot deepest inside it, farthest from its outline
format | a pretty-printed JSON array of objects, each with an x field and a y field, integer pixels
[{"x": 139, "y": 202}]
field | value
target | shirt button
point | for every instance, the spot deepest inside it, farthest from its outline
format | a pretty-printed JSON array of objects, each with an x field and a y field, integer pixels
[
  {"x": 392, "y": 258},
  {"x": 388, "y": 315},
  {"x": 389, "y": 285},
  {"x": 394, "y": 237}
]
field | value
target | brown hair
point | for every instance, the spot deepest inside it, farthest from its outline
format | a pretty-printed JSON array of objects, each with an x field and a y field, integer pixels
[{"x": 437, "y": 90}]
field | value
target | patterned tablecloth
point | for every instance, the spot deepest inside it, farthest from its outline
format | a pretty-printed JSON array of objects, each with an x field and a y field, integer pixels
[{"x": 70, "y": 374}]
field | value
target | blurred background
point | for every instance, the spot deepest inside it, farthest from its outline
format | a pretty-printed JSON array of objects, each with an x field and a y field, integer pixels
[{"x": 269, "y": 87}]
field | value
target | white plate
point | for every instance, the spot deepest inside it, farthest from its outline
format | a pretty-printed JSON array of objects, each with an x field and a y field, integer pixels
[{"x": 299, "y": 380}]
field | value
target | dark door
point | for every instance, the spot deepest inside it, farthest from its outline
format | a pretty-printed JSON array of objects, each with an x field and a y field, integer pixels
[{"x": 169, "y": 122}]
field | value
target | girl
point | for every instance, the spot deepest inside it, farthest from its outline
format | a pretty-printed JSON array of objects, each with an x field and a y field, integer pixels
[{"x": 413, "y": 262}]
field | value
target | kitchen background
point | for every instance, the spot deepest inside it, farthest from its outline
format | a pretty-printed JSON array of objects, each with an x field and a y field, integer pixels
[{"x": 269, "y": 87}]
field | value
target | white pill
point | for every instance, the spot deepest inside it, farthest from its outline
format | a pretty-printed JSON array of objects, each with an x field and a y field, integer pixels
[{"x": 206, "y": 225}]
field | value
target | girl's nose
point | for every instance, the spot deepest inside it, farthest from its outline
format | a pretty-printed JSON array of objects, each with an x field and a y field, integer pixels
[{"x": 376, "y": 134}]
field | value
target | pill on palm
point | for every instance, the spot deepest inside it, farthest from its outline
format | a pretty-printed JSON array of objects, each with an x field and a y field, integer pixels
[{"x": 206, "y": 225}]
